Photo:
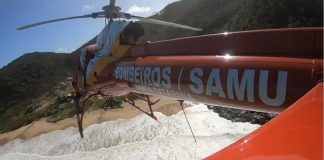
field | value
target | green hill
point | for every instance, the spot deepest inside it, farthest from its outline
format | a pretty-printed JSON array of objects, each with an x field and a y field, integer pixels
[
  {"x": 216, "y": 16},
  {"x": 31, "y": 75}
]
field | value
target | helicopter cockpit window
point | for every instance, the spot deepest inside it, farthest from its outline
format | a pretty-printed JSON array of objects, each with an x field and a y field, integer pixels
[{"x": 106, "y": 38}]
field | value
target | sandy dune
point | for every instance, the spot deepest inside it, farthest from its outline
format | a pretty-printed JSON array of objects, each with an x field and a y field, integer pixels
[{"x": 166, "y": 106}]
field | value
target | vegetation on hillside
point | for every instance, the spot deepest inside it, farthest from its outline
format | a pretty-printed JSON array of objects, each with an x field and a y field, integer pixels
[
  {"x": 217, "y": 16},
  {"x": 262, "y": 14},
  {"x": 31, "y": 75}
]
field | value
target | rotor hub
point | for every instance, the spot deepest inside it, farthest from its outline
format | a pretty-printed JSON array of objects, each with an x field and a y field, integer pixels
[{"x": 111, "y": 11}]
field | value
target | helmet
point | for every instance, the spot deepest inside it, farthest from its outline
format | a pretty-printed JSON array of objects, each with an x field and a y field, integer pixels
[{"x": 131, "y": 34}]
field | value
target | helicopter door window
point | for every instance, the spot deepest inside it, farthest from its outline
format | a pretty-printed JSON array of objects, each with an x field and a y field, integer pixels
[
  {"x": 106, "y": 39},
  {"x": 132, "y": 34}
]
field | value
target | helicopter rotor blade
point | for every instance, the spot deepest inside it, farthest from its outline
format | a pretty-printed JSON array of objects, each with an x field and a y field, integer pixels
[
  {"x": 93, "y": 15},
  {"x": 170, "y": 24},
  {"x": 164, "y": 23}
]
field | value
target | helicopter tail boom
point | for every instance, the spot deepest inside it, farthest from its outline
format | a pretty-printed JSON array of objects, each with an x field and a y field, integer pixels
[{"x": 293, "y": 42}]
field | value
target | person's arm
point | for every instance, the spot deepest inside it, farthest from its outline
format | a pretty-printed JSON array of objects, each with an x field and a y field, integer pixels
[{"x": 93, "y": 48}]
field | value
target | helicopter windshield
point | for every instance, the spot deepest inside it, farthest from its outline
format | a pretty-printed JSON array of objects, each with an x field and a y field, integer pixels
[
  {"x": 105, "y": 42},
  {"x": 107, "y": 36}
]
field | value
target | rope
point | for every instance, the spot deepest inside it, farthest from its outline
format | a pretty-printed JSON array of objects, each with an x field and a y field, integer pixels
[{"x": 193, "y": 135}]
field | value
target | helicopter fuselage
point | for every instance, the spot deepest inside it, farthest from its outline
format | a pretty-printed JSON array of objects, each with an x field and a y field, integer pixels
[{"x": 222, "y": 72}]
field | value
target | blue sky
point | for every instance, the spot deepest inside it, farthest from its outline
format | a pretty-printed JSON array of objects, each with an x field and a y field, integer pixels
[{"x": 63, "y": 36}]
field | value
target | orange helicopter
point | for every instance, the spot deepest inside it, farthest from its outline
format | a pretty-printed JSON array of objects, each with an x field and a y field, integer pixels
[{"x": 263, "y": 70}]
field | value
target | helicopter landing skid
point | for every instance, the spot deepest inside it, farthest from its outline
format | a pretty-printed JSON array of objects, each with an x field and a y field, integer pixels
[
  {"x": 79, "y": 102},
  {"x": 149, "y": 102},
  {"x": 80, "y": 97},
  {"x": 79, "y": 114}
]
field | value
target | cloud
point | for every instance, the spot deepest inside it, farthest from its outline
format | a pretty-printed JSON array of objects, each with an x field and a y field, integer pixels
[
  {"x": 138, "y": 9},
  {"x": 88, "y": 7},
  {"x": 62, "y": 50}
]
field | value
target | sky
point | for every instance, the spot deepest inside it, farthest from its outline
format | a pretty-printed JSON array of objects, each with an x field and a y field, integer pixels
[{"x": 60, "y": 37}]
